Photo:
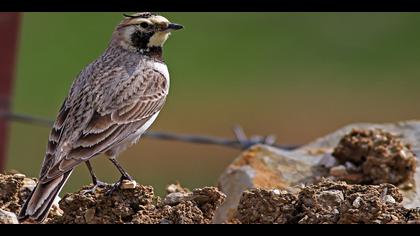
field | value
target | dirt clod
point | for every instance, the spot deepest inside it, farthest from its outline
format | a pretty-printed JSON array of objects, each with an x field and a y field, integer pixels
[
  {"x": 328, "y": 202},
  {"x": 337, "y": 202},
  {"x": 374, "y": 157},
  {"x": 266, "y": 206},
  {"x": 139, "y": 205},
  {"x": 134, "y": 204},
  {"x": 14, "y": 189}
]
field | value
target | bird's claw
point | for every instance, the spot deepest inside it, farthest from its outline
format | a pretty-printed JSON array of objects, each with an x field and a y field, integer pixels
[
  {"x": 117, "y": 185},
  {"x": 92, "y": 190},
  {"x": 113, "y": 188}
]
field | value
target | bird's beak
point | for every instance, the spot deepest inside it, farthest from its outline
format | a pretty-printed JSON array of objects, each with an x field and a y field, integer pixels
[{"x": 173, "y": 26}]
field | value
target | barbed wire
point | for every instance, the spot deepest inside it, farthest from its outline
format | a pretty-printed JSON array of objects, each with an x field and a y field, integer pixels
[{"x": 241, "y": 142}]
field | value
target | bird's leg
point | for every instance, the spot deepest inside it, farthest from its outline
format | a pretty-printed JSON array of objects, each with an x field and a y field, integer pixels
[
  {"x": 96, "y": 183},
  {"x": 124, "y": 176}
]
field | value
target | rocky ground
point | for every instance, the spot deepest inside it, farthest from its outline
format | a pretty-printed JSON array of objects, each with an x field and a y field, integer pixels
[
  {"x": 132, "y": 204},
  {"x": 363, "y": 173},
  {"x": 327, "y": 202},
  {"x": 139, "y": 205}
]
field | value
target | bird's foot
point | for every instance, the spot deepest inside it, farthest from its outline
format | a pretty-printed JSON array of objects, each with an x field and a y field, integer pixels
[
  {"x": 125, "y": 182},
  {"x": 92, "y": 190}
]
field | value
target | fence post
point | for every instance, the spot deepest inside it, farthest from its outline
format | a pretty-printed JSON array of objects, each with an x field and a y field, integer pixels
[{"x": 9, "y": 30}]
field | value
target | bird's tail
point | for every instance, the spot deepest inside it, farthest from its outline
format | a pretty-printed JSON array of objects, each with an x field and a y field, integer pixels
[{"x": 38, "y": 204}]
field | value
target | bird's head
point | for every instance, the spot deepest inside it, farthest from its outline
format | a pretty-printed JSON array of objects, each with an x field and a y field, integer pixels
[{"x": 144, "y": 30}]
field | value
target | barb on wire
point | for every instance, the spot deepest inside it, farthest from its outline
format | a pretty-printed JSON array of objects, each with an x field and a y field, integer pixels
[{"x": 241, "y": 141}]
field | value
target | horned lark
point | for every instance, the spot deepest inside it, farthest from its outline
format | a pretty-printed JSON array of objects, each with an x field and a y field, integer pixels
[{"x": 112, "y": 102}]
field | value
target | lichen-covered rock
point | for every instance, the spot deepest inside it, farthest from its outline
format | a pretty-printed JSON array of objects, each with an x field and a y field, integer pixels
[{"x": 381, "y": 156}]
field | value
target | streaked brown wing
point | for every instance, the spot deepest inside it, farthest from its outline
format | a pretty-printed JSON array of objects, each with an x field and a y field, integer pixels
[
  {"x": 106, "y": 129},
  {"x": 54, "y": 139}
]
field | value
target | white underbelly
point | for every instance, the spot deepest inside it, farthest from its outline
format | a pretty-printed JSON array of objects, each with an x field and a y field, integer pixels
[{"x": 143, "y": 129}]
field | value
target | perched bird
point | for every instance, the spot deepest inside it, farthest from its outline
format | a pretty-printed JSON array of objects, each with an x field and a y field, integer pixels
[{"x": 111, "y": 103}]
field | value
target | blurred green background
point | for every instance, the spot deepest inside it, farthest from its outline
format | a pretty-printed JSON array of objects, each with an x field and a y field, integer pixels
[{"x": 295, "y": 75}]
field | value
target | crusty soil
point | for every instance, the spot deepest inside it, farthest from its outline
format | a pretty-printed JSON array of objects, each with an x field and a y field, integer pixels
[
  {"x": 14, "y": 188},
  {"x": 266, "y": 206},
  {"x": 374, "y": 157},
  {"x": 327, "y": 202},
  {"x": 140, "y": 206}
]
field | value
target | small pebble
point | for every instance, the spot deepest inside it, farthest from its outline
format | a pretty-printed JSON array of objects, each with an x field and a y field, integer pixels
[
  {"x": 127, "y": 184},
  {"x": 403, "y": 154},
  {"x": 356, "y": 202},
  {"x": 389, "y": 199},
  {"x": 276, "y": 191},
  {"x": 90, "y": 215},
  {"x": 7, "y": 217},
  {"x": 19, "y": 176},
  {"x": 331, "y": 197},
  {"x": 350, "y": 166},
  {"x": 328, "y": 161},
  {"x": 172, "y": 188},
  {"x": 28, "y": 184},
  {"x": 177, "y": 197},
  {"x": 338, "y": 170}
]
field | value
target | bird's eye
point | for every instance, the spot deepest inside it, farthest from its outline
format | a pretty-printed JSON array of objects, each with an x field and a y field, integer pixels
[{"x": 144, "y": 25}]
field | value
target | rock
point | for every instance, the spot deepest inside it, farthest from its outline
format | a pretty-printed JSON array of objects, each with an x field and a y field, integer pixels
[
  {"x": 55, "y": 208},
  {"x": 19, "y": 176},
  {"x": 177, "y": 197},
  {"x": 175, "y": 194},
  {"x": 389, "y": 199},
  {"x": 271, "y": 168},
  {"x": 267, "y": 168},
  {"x": 330, "y": 197},
  {"x": 7, "y": 217},
  {"x": 356, "y": 202},
  {"x": 339, "y": 170},
  {"x": 351, "y": 167},
  {"x": 90, "y": 215},
  {"x": 328, "y": 161},
  {"x": 28, "y": 184},
  {"x": 128, "y": 184},
  {"x": 173, "y": 188}
]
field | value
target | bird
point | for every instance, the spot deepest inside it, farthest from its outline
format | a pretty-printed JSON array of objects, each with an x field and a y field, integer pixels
[{"x": 110, "y": 104}]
